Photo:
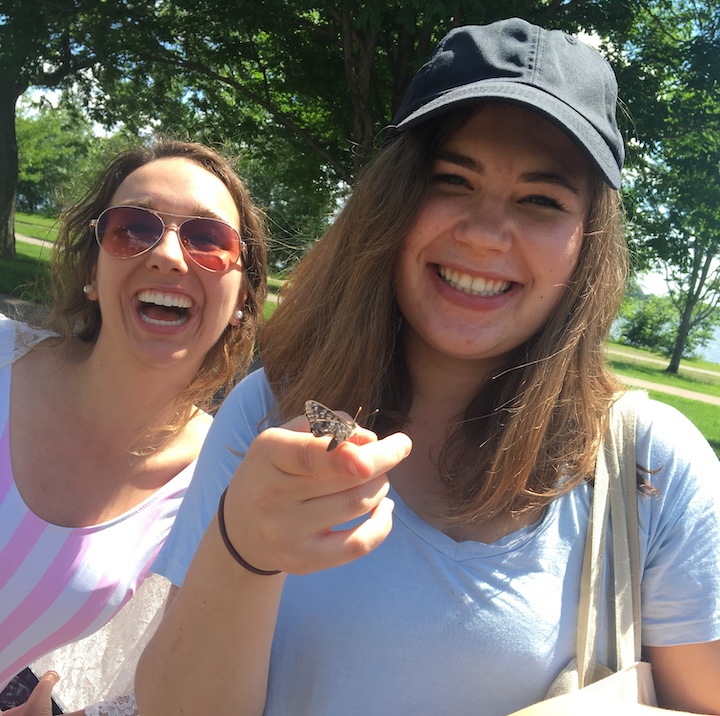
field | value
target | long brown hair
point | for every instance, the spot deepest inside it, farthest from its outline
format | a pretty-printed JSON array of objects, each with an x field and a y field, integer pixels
[
  {"x": 529, "y": 435},
  {"x": 75, "y": 256}
]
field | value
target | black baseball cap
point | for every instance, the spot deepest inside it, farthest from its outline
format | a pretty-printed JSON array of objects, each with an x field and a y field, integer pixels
[{"x": 515, "y": 61}]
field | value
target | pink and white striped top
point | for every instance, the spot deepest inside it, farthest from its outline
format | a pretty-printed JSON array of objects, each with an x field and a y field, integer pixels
[{"x": 59, "y": 584}]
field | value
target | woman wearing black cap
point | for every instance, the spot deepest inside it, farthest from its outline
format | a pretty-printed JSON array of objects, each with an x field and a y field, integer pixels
[{"x": 433, "y": 566}]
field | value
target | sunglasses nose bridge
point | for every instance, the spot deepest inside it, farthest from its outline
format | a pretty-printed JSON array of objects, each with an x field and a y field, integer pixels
[
  {"x": 175, "y": 228},
  {"x": 174, "y": 249},
  {"x": 172, "y": 226}
]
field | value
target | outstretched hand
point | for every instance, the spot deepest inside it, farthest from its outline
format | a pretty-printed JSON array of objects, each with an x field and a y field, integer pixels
[
  {"x": 289, "y": 495},
  {"x": 38, "y": 703}
]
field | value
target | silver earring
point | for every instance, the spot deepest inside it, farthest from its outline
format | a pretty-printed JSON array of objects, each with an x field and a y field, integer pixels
[
  {"x": 238, "y": 315},
  {"x": 88, "y": 288}
]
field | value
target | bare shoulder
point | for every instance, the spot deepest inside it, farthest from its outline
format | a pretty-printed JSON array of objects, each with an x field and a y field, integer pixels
[
  {"x": 186, "y": 443},
  {"x": 199, "y": 425}
]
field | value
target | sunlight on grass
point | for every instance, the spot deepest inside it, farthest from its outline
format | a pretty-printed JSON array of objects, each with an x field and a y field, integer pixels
[
  {"x": 25, "y": 276},
  {"x": 705, "y": 417},
  {"x": 36, "y": 226},
  {"x": 700, "y": 383}
]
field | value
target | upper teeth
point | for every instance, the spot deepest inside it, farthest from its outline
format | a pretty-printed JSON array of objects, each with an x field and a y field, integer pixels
[
  {"x": 165, "y": 299},
  {"x": 478, "y": 286}
]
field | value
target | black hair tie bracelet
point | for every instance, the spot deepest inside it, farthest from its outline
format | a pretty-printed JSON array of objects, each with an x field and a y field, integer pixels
[{"x": 233, "y": 552}]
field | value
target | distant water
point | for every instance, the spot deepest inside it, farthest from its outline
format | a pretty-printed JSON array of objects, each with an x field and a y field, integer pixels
[
  {"x": 712, "y": 351},
  {"x": 655, "y": 283}
]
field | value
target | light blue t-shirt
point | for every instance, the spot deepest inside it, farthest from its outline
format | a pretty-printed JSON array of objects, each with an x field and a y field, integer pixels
[{"x": 428, "y": 625}]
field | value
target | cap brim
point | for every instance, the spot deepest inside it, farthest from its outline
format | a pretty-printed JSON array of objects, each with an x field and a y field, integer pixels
[{"x": 574, "y": 124}]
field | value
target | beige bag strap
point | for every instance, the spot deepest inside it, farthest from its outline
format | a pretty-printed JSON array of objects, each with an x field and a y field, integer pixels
[{"x": 614, "y": 492}]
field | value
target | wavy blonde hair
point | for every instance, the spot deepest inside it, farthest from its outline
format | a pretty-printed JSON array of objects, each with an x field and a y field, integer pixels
[
  {"x": 75, "y": 256},
  {"x": 529, "y": 435}
]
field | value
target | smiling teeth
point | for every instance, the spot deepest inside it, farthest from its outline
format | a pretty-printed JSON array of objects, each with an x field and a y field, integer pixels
[
  {"x": 165, "y": 299},
  {"x": 477, "y": 286}
]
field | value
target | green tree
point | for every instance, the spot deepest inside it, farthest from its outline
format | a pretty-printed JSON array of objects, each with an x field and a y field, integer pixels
[
  {"x": 51, "y": 143},
  {"x": 59, "y": 154},
  {"x": 670, "y": 72},
  {"x": 35, "y": 48},
  {"x": 652, "y": 322},
  {"x": 306, "y": 86},
  {"x": 325, "y": 77},
  {"x": 52, "y": 44}
]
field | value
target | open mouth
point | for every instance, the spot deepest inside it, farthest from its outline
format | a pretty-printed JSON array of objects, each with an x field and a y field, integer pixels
[
  {"x": 474, "y": 285},
  {"x": 164, "y": 309}
]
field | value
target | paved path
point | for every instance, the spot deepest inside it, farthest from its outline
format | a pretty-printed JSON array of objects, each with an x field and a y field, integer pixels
[
  {"x": 658, "y": 387},
  {"x": 670, "y": 390},
  {"x": 30, "y": 240},
  {"x": 658, "y": 361}
]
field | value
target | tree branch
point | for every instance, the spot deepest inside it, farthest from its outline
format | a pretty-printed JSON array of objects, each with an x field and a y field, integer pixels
[{"x": 271, "y": 109}]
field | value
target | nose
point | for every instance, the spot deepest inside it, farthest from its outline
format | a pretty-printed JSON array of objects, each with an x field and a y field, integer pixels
[
  {"x": 486, "y": 225},
  {"x": 167, "y": 255}
]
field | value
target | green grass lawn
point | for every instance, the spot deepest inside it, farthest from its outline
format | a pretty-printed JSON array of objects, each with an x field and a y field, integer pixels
[
  {"x": 36, "y": 226},
  {"x": 704, "y": 416},
  {"x": 698, "y": 382},
  {"x": 24, "y": 276},
  {"x": 640, "y": 353}
]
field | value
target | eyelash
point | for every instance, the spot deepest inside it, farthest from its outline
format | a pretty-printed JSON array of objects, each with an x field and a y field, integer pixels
[
  {"x": 542, "y": 200},
  {"x": 454, "y": 179}
]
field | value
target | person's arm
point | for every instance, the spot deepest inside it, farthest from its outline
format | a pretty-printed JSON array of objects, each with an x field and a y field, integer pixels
[
  {"x": 687, "y": 678},
  {"x": 211, "y": 653},
  {"x": 681, "y": 574}
]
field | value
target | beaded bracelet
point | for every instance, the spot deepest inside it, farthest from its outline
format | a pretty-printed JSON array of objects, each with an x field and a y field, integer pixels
[{"x": 233, "y": 552}]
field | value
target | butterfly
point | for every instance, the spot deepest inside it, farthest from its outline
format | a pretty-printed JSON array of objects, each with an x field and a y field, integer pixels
[{"x": 324, "y": 421}]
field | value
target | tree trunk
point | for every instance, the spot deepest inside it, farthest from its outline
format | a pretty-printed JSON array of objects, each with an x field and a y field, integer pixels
[
  {"x": 8, "y": 166},
  {"x": 358, "y": 55},
  {"x": 682, "y": 334}
]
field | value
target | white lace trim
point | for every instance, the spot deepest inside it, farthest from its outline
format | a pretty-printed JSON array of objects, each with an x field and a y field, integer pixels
[
  {"x": 121, "y": 706},
  {"x": 101, "y": 667},
  {"x": 17, "y": 339}
]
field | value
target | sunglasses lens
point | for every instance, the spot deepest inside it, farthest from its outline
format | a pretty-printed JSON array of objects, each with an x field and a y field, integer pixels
[
  {"x": 125, "y": 231},
  {"x": 212, "y": 244}
]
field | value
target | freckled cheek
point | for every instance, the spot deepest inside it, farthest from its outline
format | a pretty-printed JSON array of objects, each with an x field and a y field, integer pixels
[
  {"x": 408, "y": 277},
  {"x": 561, "y": 259},
  {"x": 431, "y": 221},
  {"x": 414, "y": 241}
]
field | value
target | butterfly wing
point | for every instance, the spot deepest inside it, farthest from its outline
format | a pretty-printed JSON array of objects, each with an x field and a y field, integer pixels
[{"x": 324, "y": 421}]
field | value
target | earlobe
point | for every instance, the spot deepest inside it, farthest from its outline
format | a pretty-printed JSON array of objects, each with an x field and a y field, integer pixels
[
  {"x": 238, "y": 313},
  {"x": 237, "y": 317},
  {"x": 90, "y": 291}
]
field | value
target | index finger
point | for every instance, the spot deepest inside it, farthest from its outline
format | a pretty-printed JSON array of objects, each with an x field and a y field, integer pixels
[{"x": 302, "y": 454}]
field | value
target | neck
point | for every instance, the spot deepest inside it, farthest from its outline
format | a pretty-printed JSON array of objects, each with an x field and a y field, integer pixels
[
  {"x": 118, "y": 397},
  {"x": 442, "y": 385}
]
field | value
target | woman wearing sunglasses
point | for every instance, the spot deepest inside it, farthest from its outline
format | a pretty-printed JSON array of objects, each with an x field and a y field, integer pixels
[{"x": 158, "y": 279}]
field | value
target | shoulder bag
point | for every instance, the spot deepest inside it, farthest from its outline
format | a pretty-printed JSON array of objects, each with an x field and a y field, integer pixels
[{"x": 585, "y": 686}]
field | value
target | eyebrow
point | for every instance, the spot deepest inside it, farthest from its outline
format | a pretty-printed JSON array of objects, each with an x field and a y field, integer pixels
[
  {"x": 199, "y": 211},
  {"x": 473, "y": 165},
  {"x": 461, "y": 160}
]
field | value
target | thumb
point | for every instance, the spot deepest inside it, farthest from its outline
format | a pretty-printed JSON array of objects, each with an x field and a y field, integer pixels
[{"x": 38, "y": 703}]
